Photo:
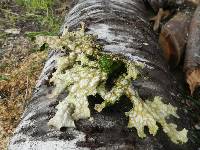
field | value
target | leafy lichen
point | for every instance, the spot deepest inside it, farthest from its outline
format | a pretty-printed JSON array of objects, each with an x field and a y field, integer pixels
[
  {"x": 81, "y": 77},
  {"x": 149, "y": 112}
]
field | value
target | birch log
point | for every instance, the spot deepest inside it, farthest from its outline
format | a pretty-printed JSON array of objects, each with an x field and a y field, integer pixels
[{"x": 122, "y": 27}]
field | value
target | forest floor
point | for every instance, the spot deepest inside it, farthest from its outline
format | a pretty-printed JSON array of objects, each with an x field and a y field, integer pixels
[{"x": 21, "y": 61}]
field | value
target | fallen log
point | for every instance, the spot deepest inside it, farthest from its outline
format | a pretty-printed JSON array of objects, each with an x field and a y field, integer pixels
[
  {"x": 122, "y": 29},
  {"x": 192, "y": 54}
]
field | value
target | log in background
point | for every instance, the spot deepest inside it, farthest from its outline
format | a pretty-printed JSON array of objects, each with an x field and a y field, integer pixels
[{"x": 122, "y": 27}]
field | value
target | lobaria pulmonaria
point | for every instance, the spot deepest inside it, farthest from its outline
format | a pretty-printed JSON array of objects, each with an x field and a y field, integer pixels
[{"x": 85, "y": 70}]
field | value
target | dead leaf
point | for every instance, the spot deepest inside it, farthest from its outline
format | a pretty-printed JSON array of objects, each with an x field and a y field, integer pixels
[{"x": 193, "y": 79}]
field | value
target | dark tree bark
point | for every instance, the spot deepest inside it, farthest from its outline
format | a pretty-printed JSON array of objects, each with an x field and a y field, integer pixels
[{"x": 122, "y": 28}]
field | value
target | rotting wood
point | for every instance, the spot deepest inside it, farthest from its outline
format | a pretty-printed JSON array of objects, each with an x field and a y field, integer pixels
[
  {"x": 174, "y": 33},
  {"x": 173, "y": 37},
  {"x": 192, "y": 55},
  {"x": 122, "y": 28}
]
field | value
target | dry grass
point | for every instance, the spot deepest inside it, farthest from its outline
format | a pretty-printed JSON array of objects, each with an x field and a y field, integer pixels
[
  {"x": 20, "y": 61},
  {"x": 20, "y": 69}
]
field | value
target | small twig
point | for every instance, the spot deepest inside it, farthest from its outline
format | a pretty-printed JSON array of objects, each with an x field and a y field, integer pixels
[{"x": 27, "y": 85}]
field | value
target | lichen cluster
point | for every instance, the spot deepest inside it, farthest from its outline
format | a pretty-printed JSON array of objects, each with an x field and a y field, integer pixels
[{"x": 80, "y": 76}]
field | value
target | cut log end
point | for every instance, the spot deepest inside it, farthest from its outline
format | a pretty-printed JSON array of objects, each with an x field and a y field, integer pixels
[
  {"x": 193, "y": 79},
  {"x": 173, "y": 37},
  {"x": 170, "y": 50}
]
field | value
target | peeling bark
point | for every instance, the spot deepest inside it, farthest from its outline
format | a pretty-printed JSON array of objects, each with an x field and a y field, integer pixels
[{"x": 122, "y": 27}]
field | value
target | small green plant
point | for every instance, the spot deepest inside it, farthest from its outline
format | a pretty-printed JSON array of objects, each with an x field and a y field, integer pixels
[
  {"x": 33, "y": 5},
  {"x": 42, "y": 12},
  {"x": 3, "y": 77}
]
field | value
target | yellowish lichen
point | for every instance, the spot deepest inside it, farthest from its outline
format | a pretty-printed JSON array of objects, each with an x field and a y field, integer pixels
[
  {"x": 149, "y": 112},
  {"x": 81, "y": 77}
]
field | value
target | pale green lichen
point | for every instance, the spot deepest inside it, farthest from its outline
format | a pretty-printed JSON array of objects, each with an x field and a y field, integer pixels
[
  {"x": 81, "y": 81},
  {"x": 81, "y": 77},
  {"x": 149, "y": 112}
]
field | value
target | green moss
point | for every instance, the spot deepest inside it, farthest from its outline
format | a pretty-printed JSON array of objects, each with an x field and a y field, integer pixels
[
  {"x": 109, "y": 65},
  {"x": 106, "y": 63}
]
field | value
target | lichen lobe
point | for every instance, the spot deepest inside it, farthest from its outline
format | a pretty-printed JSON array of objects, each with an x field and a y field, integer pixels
[{"x": 80, "y": 76}]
